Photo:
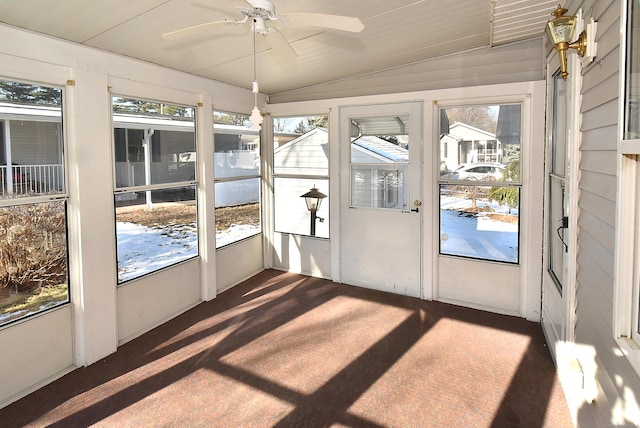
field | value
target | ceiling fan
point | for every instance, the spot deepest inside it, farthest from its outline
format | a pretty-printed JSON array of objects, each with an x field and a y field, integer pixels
[
  {"x": 263, "y": 12},
  {"x": 258, "y": 15}
]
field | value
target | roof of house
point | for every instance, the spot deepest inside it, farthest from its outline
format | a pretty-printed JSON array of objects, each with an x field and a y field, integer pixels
[
  {"x": 466, "y": 132},
  {"x": 311, "y": 148}
]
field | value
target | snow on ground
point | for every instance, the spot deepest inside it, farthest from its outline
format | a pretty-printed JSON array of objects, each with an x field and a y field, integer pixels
[
  {"x": 477, "y": 236},
  {"x": 142, "y": 249}
]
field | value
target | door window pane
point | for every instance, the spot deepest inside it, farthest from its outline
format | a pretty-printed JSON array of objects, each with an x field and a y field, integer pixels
[
  {"x": 480, "y": 182},
  {"x": 480, "y": 143},
  {"x": 376, "y": 187},
  {"x": 480, "y": 222},
  {"x": 379, "y": 162}
]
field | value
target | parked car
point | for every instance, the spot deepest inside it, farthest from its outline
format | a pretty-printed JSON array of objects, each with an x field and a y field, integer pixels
[{"x": 478, "y": 171}]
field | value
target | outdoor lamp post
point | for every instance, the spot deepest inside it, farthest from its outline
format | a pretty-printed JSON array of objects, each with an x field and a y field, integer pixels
[{"x": 314, "y": 198}]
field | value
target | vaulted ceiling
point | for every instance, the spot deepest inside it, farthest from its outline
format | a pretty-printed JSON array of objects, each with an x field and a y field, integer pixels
[{"x": 396, "y": 33}]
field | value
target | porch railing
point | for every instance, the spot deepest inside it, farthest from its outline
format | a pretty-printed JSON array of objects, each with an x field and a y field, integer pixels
[{"x": 37, "y": 179}]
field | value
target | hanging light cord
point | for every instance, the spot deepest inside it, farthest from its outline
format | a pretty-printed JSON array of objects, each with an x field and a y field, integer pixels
[
  {"x": 255, "y": 68},
  {"x": 256, "y": 116}
]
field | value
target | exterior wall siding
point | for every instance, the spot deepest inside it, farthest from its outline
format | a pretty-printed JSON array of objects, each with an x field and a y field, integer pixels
[{"x": 613, "y": 375}]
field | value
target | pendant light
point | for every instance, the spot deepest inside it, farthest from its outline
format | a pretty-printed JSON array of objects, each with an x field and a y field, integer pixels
[{"x": 256, "y": 116}]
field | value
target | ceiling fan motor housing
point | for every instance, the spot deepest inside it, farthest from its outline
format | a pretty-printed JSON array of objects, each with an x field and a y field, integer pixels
[{"x": 264, "y": 8}]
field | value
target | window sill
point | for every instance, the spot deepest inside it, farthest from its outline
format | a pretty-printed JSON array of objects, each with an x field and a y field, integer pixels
[
  {"x": 631, "y": 351},
  {"x": 629, "y": 147}
]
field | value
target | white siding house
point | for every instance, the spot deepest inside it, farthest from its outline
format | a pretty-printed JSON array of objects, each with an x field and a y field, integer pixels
[
  {"x": 467, "y": 144},
  {"x": 26, "y": 165}
]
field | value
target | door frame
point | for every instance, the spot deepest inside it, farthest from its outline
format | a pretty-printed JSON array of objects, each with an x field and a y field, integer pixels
[
  {"x": 550, "y": 296},
  {"x": 531, "y": 96},
  {"x": 414, "y": 180}
]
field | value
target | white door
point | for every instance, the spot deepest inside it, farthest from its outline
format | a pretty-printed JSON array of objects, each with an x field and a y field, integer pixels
[
  {"x": 483, "y": 152},
  {"x": 380, "y": 152},
  {"x": 559, "y": 242}
]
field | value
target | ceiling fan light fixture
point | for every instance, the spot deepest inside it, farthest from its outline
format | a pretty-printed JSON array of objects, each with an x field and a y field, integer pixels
[
  {"x": 255, "y": 119},
  {"x": 259, "y": 25}
]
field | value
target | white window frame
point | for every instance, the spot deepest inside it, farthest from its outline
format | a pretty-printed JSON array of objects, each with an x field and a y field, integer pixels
[
  {"x": 120, "y": 190},
  {"x": 221, "y": 180},
  {"x": 318, "y": 178},
  {"x": 440, "y": 182},
  {"x": 626, "y": 298},
  {"x": 40, "y": 199}
]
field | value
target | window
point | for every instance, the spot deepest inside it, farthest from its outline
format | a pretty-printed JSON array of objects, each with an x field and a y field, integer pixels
[
  {"x": 155, "y": 185},
  {"x": 627, "y": 293},
  {"x": 557, "y": 210},
  {"x": 301, "y": 163},
  {"x": 479, "y": 181},
  {"x": 632, "y": 99},
  {"x": 380, "y": 162},
  {"x": 237, "y": 178},
  {"x": 33, "y": 201}
]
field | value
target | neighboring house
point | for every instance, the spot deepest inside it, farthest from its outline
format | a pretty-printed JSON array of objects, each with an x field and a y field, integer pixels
[
  {"x": 36, "y": 164},
  {"x": 467, "y": 144},
  {"x": 24, "y": 165},
  {"x": 309, "y": 155}
]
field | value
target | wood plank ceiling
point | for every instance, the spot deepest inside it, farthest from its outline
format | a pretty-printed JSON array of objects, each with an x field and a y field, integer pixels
[{"x": 396, "y": 33}]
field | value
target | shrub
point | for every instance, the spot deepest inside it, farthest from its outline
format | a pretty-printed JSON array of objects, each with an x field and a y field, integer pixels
[{"x": 32, "y": 246}]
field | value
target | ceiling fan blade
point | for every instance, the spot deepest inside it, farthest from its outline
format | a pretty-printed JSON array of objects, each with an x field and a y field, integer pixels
[
  {"x": 281, "y": 45},
  {"x": 192, "y": 30},
  {"x": 335, "y": 22}
]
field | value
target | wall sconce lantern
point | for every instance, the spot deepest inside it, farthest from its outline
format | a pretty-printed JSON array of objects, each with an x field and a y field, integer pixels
[
  {"x": 314, "y": 198},
  {"x": 560, "y": 32}
]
